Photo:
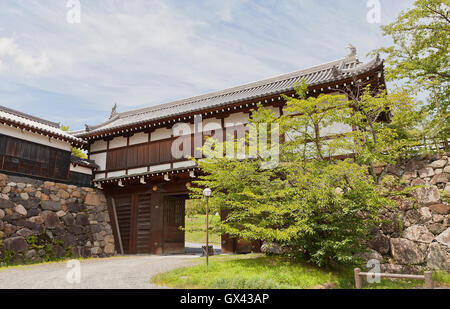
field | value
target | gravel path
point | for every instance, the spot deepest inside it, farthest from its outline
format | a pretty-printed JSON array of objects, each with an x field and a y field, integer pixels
[{"x": 127, "y": 272}]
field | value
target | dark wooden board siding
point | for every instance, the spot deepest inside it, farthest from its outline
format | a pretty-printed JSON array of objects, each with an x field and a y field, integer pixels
[
  {"x": 143, "y": 223},
  {"x": 24, "y": 157},
  {"x": 123, "y": 211}
]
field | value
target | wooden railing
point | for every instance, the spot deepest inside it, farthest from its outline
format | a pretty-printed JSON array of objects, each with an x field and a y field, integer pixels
[{"x": 427, "y": 276}]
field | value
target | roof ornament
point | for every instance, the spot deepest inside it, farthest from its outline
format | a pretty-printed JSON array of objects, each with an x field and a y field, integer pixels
[
  {"x": 113, "y": 111},
  {"x": 377, "y": 59},
  {"x": 87, "y": 128},
  {"x": 335, "y": 71},
  {"x": 352, "y": 50}
]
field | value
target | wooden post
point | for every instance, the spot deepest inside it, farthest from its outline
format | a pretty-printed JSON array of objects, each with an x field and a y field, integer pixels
[
  {"x": 207, "y": 232},
  {"x": 357, "y": 279},
  {"x": 428, "y": 279}
]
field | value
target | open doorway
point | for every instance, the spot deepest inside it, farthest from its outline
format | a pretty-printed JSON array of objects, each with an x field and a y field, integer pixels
[{"x": 195, "y": 227}]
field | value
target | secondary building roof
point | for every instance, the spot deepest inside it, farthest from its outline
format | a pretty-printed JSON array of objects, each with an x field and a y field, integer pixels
[
  {"x": 34, "y": 124},
  {"x": 334, "y": 71}
]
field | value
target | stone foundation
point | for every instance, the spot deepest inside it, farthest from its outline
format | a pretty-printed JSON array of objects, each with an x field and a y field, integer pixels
[
  {"x": 46, "y": 220},
  {"x": 416, "y": 234}
]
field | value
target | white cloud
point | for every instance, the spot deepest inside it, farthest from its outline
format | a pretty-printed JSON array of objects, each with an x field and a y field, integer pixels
[{"x": 14, "y": 59}]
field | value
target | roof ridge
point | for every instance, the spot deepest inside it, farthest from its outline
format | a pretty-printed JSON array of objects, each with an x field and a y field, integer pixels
[
  {"x": 29, "y": 117},
  {"x": 276, "y": 78}
]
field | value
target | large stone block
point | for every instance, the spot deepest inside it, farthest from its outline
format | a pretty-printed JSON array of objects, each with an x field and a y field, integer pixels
[
  {"x": 93, "y": 199},
  {"x": 82, "y": 219},
  {"x": 438, "y": 257},
  {"x": 440, "y": 178},
  {"x": 16, "y": 244},
  {"x": 418, "y": 233},
  {"x": 405, "y": 251},
  {"x": 6, "y": 204},
  {"x": 444, "y": 238},
  {"x": 51, "y": 205},
  {"x": 438, "y": 164},
  {"x": 379, "y": 242},
  {"x": 51, "y": 220},
  {"x": 427, "y": 195},
  {"x": 442, "y": 209}
]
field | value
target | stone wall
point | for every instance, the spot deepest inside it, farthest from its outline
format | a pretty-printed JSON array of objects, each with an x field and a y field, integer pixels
[
  {"x": 416, "y": 234},
  {"x": 46, "y": 220}
]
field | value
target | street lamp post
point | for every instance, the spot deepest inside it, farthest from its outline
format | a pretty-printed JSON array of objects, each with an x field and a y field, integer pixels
[{"x": 207, "y": 193}]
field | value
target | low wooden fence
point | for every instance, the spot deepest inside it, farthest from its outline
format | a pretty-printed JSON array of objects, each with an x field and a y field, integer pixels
[{"x": 427, "y": 276}]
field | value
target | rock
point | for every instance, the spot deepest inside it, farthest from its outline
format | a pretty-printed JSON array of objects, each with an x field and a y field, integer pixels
[
  {"x": 438, "y": 164},
  {"x": 21, "y": 210},
  {"x": 109, "y": 249},
  {"x": 409, "y": 175},
  {"x": 24, "y": 196},
  {"x": 447, "y": 188},
  {"x": 370, "y": 255},
  {"x": 438, "y": 218},
  {"x": 444, "y": 238},
  {"x": 427, "y": 195},
  {"x": 51, "y": 205},
  {"x": 24, "y": 232},
  {"x": 2, "y": 213},
  {"x": 16, "y": 244},
  {"x": 437, "y": 257},
  {"x": 59, "y": 251},
  {"x": 417, "y": 182},
  {"x": 36, "y": 219},
  {"x": 6, "y": 190},
  {"x": 411, "y": 217},
  {"x": 30, "y": 254},
  {"x": 418, "y": 233},
  {"x": 82, "y": 220},
  {"x": 273, "y": 248},
  {"x": 63, "y": 194},
  {"x": 92, "y": 199},
  {"x": 44, "y": 197},
  {"x": 414, "y": 165},
  {"x": 379, "y": 242},
  {"x": 68, "y": 219},
  {"x": 446, "y": 169},
  {"x": 436, "y": 228},
  {"x": 440, "y": 178},
  {"x": 96, "y": 251},
  {"x": 61, "y": 213},
  {"x": 74, "y": 207},
  {"x": 442, "y": 209},
  {"x": 406, "y": 251},
  {"x": 4, "y": 204},
  {"x": 425, "y": 214},
  {"x": 50, "y": 219},
  {"x": 426, "y": 172}
]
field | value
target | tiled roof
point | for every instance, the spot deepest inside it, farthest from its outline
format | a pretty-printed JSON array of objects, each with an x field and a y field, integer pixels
[
  {"x": 83, "y": 162},
  {"x": 329, "y": 72},
  {"x": 28, "y": 122}
]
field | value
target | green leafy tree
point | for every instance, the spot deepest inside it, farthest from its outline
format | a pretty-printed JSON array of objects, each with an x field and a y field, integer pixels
[
  {"x": 420, "y": 57},
  {"x": 75, "y": 151},
  {"x": 316, "y": 201}
]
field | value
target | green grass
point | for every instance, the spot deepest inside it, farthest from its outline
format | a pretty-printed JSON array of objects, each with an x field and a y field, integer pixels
[
  {"x": 256, "y": 271},
  {"x": 196, "y": 229}
]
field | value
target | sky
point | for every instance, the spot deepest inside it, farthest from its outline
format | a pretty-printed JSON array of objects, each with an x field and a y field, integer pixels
[{"x": 140, "y": 53}]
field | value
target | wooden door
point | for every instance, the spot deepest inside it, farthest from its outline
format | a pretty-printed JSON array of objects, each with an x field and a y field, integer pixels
[
  {"x": 173, "y": 224},
  {"x": 122, "y": 207},
  {"x": 143, "y": 223}
]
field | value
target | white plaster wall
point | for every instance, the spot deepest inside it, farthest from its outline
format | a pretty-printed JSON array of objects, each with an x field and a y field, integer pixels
[
  {"x": 139, "y": 138},
  {"x": 160, "y": 167},
  {"x": 117, "y": 142},
  {"x": 98, "y": 146},
  {"x": 183, "y": 164},
  {"x": 236, "y": 119},
  {"x": 100, "y": 159},
  {"x": 80, "y": 169},
  {"x": 99, "y": 176},
  {"x": 335, "y": 128},
  {"x": 161, "y": 133},
  {"x": 274, "y": 109},
  {"x": 137, "y": 170},
  {"x": 117, "y": 173},
  {"x": 211, "y": 124},
  {"x": 183, "y": 128},
  {"x": 33, "y": 137}
]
